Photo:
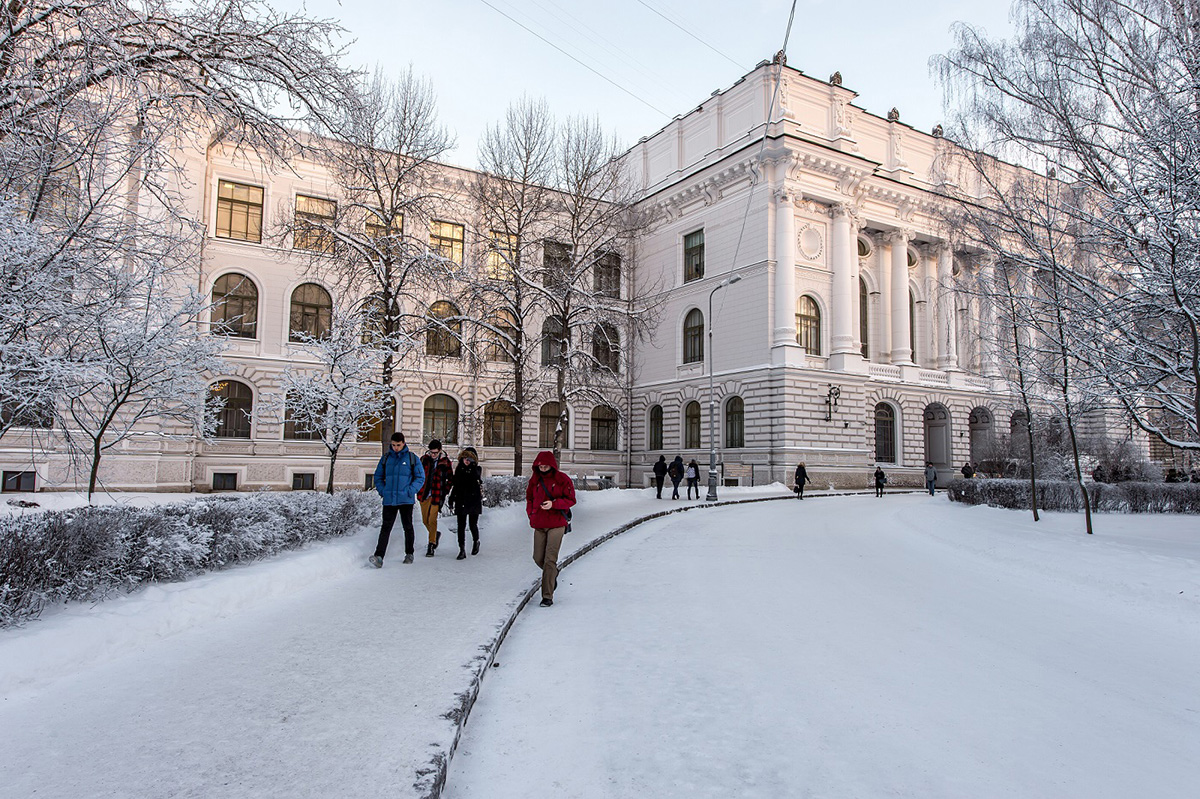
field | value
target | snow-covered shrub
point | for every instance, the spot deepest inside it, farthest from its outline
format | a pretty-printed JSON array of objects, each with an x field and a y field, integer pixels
[
  {"x": 1123, "y": 463},
  {"x": 503, "y": 490},
  {"x": 1062, "y": 495},
  {"x": 90, "y": 553}
]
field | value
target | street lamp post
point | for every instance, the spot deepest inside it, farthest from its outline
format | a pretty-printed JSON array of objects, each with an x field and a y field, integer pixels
[{"x": 712, "y": 396}]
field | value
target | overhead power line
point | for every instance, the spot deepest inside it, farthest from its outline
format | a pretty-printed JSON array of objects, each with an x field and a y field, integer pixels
[{"x": 689, "y": 33}]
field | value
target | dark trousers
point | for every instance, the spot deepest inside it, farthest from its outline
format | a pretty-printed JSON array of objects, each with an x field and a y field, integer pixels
[
  {"x": 675, "y": 487},
  {"x": 385, "y": 530},
  {"x": 693, "y": 482},
  {"x": 878, "y": 490},
  {"x": 800, "y": 489},
  {"x": 930, "y": 484},
  {"x": 463, "y": 518},
  {"x": 658, "y": 481}
]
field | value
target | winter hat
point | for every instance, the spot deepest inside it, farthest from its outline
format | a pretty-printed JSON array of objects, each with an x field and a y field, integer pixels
[
  {"x": 435, "y": 444},
  {"x": 468, "y": 452}
]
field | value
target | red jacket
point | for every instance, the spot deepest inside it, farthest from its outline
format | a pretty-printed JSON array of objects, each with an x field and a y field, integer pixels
[
  {"x": 438, "y": 479},
  {"x": 554, "y": 486}
]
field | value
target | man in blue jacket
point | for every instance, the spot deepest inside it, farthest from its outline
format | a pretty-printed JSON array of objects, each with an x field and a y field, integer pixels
[{"x": 397, "y": 478}]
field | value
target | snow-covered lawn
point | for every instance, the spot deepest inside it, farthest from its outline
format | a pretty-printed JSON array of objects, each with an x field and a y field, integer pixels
[{"x": 855, "y": 647}]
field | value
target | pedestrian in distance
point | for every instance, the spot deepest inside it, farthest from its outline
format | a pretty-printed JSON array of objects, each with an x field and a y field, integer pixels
[
  {"x": 968, "y": 471},
  {"x": 801, "y": 478},
  {"x": 398, "y": 477},
  {"x": 660, "y": 471},
  {"x": 675, "y": 472},
  {"x": 549, "y": 497},
  {"x": 880, "y": 481},
  {"x": 930, "y": 477},
  {"x": 466, "y": 499},
  {"x": 692, "y": 473},
  {"x": 439, "y": 473}
]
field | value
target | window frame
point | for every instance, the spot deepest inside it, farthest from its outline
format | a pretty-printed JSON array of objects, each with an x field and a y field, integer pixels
[
  {"x": 885, "y": 437},
  {"x": 606, "y": 276},
  {"x": 226, "y": 206},
  {"x": 692, "y": 427},
  {"x": 499, "y": 424},
  {"x": 693, "y": 256},
  {"x": 306, "y": 235},
  {"x": 549, "y": 356},
  {"x": 229, "y": 424},
  {"x": 548, "y": 423},
  {"x": 446, "y": 416},
  {"x": 735, "y": 423},
  {"x": 654, "y": 434},
  {"x": 693, "y": 336},
  {"x": 808, "y": 325},
  {"x": 605, "y": 429},
  {"x": 606, "y": 347},
  {"x": 220, "y": 323},
  {"x": 444, "y": 242},
  {"x": 445, "y": 340},
  {"x": 307, "y": 316}
]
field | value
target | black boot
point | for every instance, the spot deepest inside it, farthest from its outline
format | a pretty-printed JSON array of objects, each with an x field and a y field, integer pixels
[
  {"x": 429, "y": 552},
  {"x": 462, "y": 554},
  {"x": 475, "y": 547}
]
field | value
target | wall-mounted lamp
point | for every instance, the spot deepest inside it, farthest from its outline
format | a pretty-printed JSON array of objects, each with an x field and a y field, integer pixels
[{"x": 831, "y": 401}]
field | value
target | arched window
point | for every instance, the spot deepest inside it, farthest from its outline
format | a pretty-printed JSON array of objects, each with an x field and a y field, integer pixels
[
  {"x": 864, "y": 317},
  {"x": 235, "y": 306},
  {"x": 499, "y": 424},
  {"x": 297, "y": 421},
  {"x": 237, "y": 407},
  {"x": 549, "y": 419},
  {"x": 374, "y": 313},
  {"x": 808, "y": 325},
  {"x": 440, "y": 419},
  {"x": 885, "y": 433},
  {"x": 312, "y": 313},
  {"x": 443, "y": 338},
  {"x": 735, "y": 422},
  {"x": 502, "y": 339},
  {"x": 693, "y": 336},
  {"x": 554, "y": 341},
  {"x": 604, "y": 428},
  {"x": 606, "y": 347},
  {"x": 374, "y": 424},
  {"x": 864, "y": 247},
  {"x": 656, "y": 427},
  {"x": 691, "y": 425}
]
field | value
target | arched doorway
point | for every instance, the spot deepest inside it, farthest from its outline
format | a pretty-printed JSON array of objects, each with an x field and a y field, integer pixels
[
  {"x": 982, "y": 431},
  {"x": 937, "y": 436}
]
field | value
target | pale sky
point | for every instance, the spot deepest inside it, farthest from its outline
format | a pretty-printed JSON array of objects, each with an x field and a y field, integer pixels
[{"x": 479, "y": 60}]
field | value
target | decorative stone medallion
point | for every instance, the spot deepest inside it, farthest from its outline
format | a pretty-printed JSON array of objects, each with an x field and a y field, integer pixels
[{"x": 810, "y": 243}]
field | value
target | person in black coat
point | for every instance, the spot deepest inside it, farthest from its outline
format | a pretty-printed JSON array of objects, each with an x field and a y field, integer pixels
[
  {"x": 676, "y": 470},
  {"x": 466, "y": 499},
  {"x": 880, "y": 481},
  {"x": 660, "y": 471},
  {"x": 801, "y": 478}
]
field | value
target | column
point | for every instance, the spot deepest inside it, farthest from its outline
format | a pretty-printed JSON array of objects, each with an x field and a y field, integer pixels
[
  {"x": 944, "y": 309},
  {"x": 901, "y": 347},
  {"x": 785, "y": 269},
  {"x": 989, "y": 354},
  {"x": 843, "y": 254},
  {"x": 855, "y": 311},
  {"x": 884, "y": 337}
]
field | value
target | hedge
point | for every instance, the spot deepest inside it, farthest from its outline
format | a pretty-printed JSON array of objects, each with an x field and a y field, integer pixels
[{"x": 1062, "y": 495}]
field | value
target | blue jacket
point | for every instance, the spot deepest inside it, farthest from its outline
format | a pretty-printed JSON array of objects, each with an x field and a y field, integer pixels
[{"x": 398, "y": 477}]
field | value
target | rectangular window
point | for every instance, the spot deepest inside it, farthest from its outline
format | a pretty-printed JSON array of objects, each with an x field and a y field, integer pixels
[
  {"x": 607, "y": 276},
  {"x": 239, "y": 211},
  {"x": 376, "y": 229},
  {"x": 556, "y": 263},
  {"x": 224, "y": 481},
  {"x": 693, "y": 256},
  {"x": 446, "y": 239},
  {"x": 314, "y": 218},
  {"x": 20, "y": 481},
  {"x": 304, "y": 481},
  {"x": 502, "y": 254}
]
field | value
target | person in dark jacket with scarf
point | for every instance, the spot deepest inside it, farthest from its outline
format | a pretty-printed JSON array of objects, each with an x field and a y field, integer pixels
[
  {"x": 660, "y": 471},
  {"x": 548, "y": 497},
  {"x": 801, "y": 478},
  {"x": 438, "y": 474},
  {"x": 398, "y": 477},
  {"x": 880, "y": 481},
  {"x": 676, "y": 470},
  {"x": 466, "y": 499}
]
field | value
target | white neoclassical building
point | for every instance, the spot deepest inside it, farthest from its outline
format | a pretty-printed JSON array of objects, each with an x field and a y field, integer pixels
[{"x": 842, "y": 342}]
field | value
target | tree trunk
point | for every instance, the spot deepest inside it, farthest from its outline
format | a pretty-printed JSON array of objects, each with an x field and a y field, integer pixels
[
  {"x": 333, "y": 453},
  {"x": 95, "y": 470},
  {"x": 388, "y": 423}
]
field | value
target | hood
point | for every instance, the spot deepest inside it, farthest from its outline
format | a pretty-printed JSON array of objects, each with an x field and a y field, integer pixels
[
  {"x": 546, "y": 457},
  {"x": 678, "y": 459},
  {"x": 468, "y": 451}
]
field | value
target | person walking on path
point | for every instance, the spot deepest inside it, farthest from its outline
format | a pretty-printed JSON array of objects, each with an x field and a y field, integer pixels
[
  {"x": 466, "y": 499},
  {"x": 930, "y": 477},
  {"x": 438, "y": 474},
  {"x": 660, "y": 471},
  {"x": 801, "y": 478},
  {"x": 398, "y": 477},
  {"x": 548, "y": 500},
  {"x": 693, "y": 478},
  {"x": 968, "y": 471},
  {"x": 675, "y": 470},
  {"x": 880, "y": 481}
]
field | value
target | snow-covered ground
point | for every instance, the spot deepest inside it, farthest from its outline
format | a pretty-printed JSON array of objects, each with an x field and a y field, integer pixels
[
  {"x": 307, "y": 675},
  {"x": 855, "y": 647}
]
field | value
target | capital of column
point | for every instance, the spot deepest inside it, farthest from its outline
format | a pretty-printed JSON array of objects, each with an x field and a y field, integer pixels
[{"x": 899, "y": 236}]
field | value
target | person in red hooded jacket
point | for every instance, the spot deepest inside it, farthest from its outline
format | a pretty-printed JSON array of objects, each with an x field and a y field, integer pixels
[{"x": 548, "y": 497}]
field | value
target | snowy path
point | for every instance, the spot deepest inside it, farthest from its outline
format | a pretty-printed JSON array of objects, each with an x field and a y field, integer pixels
[
  {"x": 854, "y": 647},
  {"x": 305, "y": 676}
]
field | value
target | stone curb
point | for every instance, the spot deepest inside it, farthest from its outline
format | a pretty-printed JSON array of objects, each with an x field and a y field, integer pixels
[{"x": 441, "y": 765}]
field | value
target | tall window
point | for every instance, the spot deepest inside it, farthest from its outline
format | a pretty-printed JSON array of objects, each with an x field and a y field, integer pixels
[
  {"x": 553, "y": 341},
  {"x": 735, "y": 423},
  {"x": 446, "y": 239},
  {"x": 693, "y": 336},
  {"x": 501, "y": 255},
  {"x": 556, "y": 263},
  {"x": 693, "y": 256},
  {"x": 237, "y": 406},
  {"x": 606, "y": 347},
  {"x": 311, "y": 313},
  {"x": 499, "y": 424},
  {"x": 864, "y": 315},
  {"x": 606, "y": 275},
  {"x": 376, "y": 228},
  {"x": 440, "y": 419},
  {"x": 293, "y": 429},
  {"x": 239, "y": 211},
  {"x": 691, "y": 425},
  {"x": 443, "y": 338},
  {"x": 808, "y": 325},
  {"x": 501, "y": 340},
  {"x": 314, "y": 218},
  {"x": 604, "y": 428},
  {"x": 374, "y": 424},
  {"x": 548, "y": 422},
  {"x": 656, "y": 427},
  {"x": 235, "y": 306},
  {"x": 885, "y": 433},
  {"x": 38, "y": 413}
]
